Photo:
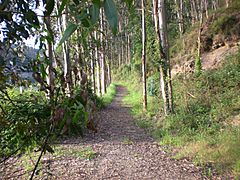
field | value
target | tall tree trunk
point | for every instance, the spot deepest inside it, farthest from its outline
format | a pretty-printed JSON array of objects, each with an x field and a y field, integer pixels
[
  {"x": 144, "y": 42},
  {"x": 102, "y": 55},
  {"x": 98, "y": 73},
  {"x": 66, "y": 57},
  {"x": 206, "y": 8},
  {"x": 227, "y": 3},
  {"x": 119, "y": 52},
  {"x": 165, "y": 73},
  {"x": 215, "y": 4},
  {"x": 110, "y": 58},
  {"x": 179, "y": 5},
  {"x": 129, "y": 49},
  {"x": 93, "y": 71},
  {"x": 79, "y": 66},
  {"x": 122, "y": 49},
  {"x": 194, "y": 11},
  {"x": 198, "y": 64},
  {"x": 50, "y": 78}
]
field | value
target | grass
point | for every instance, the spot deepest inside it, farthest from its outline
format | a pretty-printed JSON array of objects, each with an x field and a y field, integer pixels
[
  {"x": 205, "y": 126},
  {"x": 134, "y": 99},
  {"x": 127, "y": 141},
  {"x": 84, "y": 153},
  {"x": 109, "y": 96}
]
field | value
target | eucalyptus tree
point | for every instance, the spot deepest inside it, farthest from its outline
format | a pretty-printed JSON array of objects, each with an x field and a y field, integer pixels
[
  {"x": 180, "y": 19},
  {"x": 98, "y": 67},
  {"x": 49, "y": 42},
  {"x": 165, "y": 72},
  {"x": 198, "y": 64},
  {"x": 102, "y": 54},
  {"x": 66, "y": 54},
  {"x": 144, "y": 41}
]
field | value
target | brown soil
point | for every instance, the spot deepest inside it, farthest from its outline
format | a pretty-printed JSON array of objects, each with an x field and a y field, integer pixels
[
  {"x": 210, "y": 60},
  {"x": 123, "y": 151}
]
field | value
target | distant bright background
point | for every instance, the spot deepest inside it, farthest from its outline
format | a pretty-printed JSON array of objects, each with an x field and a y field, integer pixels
[{"x": 32, "y": 39}]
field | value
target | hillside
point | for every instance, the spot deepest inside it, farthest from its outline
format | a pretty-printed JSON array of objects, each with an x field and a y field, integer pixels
[{"x": 220, "y": 37}]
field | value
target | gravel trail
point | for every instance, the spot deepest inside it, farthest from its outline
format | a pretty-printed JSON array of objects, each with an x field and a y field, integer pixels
[
  {"x": 120, "y": 150},
  {"x": 123, "y": 151}
]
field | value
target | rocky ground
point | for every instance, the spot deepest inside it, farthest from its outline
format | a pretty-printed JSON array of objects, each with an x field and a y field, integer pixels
[{"x": 119, "y": 150}]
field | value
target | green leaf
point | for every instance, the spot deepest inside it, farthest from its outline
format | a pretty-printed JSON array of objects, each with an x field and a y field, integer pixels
[
  {"x": 94, "y": 13},
  {"x": 111, "y": 14},
  {"x": 83, "y": 15},
  {"x": 49, "y": 7},
  {"x": 77, "y": 117},
  {"x": 43, "y": 71},
  {"x": 61, "y": 8},
  {"x": 68, "y": 32},
  {"x": 128, "y": 2},
  {"x": 48, "y": 149},
  {"x": 76, "y": 2},
  {"x": 32, "y": 18},
  {"x": 97, "y": 2},
  {"x": 86, "y": 22}
]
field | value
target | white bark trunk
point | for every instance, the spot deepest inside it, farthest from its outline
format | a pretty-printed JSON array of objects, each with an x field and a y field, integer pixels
[
  {"x": 102, "y": 55},
  {"x": 144, "y": 42}
]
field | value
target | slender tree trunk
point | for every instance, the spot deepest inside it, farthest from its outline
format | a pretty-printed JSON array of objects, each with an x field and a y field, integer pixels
[
  {"x": 110, "y": 63},
  {"x": 198, "y": 64},
  {"x": 194, "y": 11},
  {"x": 227, "y": 3},
  {"x": 79, "y": 60},
  {"x": 66, "y": 57},
  {"x": 50, "y": 78},
  {"x": 93, "y": 71},
  {"x": 110, "y": 59},
  {"x": 129, "y": 49},
  {"x": 179, "y": 5},
  {"x": 98, "y": 73},
  {"x": 122, "y": 49},
  {"x": 102, "y": 55},
  {"x": 206, "y": 8},
  {"x": 144, "y": 42},
  {"x": 215, "y": 4},
  {"x": 165, "y": 73},
  {"x": 119, "y": 52}
]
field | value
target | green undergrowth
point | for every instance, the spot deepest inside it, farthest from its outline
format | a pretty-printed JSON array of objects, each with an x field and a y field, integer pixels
[
  {"x": 25, "y": 118},
  {"x": 134, "y": 100},
  {"x": 24, "y": 121},
  {"x": 84, "y": 153},
  {"x": 206, "y": 123},
  {"x": 134, "y": 97},
  {"x": 107, "y": 98}
]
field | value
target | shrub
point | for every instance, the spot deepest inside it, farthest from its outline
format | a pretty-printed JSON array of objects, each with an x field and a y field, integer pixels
[{"x": 24, "y": 122}]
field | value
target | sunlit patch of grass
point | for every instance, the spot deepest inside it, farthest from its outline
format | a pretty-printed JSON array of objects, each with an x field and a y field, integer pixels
[
  {"x": 106, "y": 99},
  {"x": 134, "y": 99},
  {"x": 27, "y": 163},
  {"x": 143, "y": 123},
  {"x": 221, "y": 150},
  {"x": 85, "y": 153},
  {"x": 109, "y": 96},
  {"x": 127, "y": 141}
]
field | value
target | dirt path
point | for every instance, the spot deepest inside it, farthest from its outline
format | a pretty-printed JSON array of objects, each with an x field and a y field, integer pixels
[
  {"x": 119, "y": 150},
  {"x": 123, "y": 151}
]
